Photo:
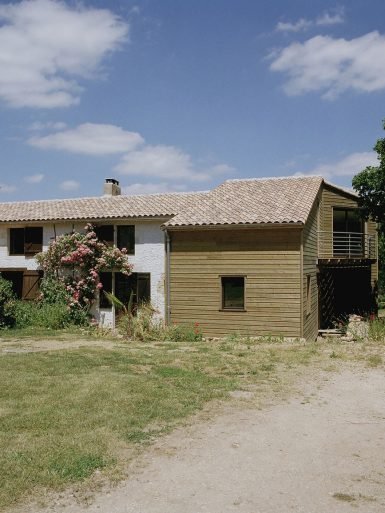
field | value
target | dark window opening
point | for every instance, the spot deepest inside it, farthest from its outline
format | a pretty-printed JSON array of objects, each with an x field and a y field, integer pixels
[
  {"x": 348, "y": 229},
  {"x": 25, "y": 241},
  {"x": 16, "y": 240},
  {"x": 105, "y": 234},
  {"x": 106, "y": 281},
  {"x": 126, "y": 238},
  {"x": 33, "y": 240},
  {"x": 233, "y": 292},
  {"x": 137, "y": 283},
  {"x": 347, "y": 220}
]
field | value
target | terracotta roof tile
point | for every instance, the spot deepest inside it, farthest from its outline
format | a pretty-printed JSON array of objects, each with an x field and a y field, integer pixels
[
  {"x": 253, "y": 201},
  {"x": 104, "y": 207}
]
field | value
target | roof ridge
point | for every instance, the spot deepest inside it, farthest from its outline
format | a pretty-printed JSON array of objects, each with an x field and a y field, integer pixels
[
  {"x": 259, "y": 179},
  {"x": 83, "y": 198}
]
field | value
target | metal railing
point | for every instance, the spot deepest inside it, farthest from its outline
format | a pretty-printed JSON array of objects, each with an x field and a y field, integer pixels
[{"x": 346, "y": 245}]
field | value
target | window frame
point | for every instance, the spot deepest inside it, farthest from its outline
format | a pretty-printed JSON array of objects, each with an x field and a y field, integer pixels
[
  {"x": 222, "y": 307},
  {"x": 137, "y": 277},
  {"x": 24, "y": 230},
  {"x": 114, "y": 241}
]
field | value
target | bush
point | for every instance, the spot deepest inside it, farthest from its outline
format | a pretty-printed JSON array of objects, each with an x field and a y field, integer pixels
[
  {"x": 184, "y": 332},
  {"x": 377, "y": 330},
  {"x": 142, "y": 325},
  {"x": 53, "y": 291},
  {"x": 53, "y": 316},
  {"x": 7, "y": 304}
]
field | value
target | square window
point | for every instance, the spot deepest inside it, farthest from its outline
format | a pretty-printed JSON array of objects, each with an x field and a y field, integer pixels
[
  {"x": 105, "y": 234},
  {"x": 233, "y": 292},
  {"x": 25, "y": 241},
  {"x": 33, "y": 240}
]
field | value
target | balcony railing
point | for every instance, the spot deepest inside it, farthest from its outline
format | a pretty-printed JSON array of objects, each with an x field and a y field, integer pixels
[{"x": 349, "y": 245}]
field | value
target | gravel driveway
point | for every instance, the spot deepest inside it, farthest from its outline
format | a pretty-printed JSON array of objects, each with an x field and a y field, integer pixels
[{"x": 323, "y": 450}]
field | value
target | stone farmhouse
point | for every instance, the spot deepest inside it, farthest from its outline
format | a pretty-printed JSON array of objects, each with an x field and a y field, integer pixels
[{"x": 274, "y": 256}]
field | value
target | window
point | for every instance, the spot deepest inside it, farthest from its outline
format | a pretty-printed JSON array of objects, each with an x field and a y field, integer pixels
[
  {"x": 106, "y": 281},
  {"x": 308, "y": 294},
  {"x": 347, "y": 220},
  {"x": 25, "y": 241},
  {"x": 233, "y": 292},
  {"x": 125, "y": 236},
  {"x": 348, "y": 230},
  {"x": 105, "y": 234},
  {"x": 137, "y": 283}
]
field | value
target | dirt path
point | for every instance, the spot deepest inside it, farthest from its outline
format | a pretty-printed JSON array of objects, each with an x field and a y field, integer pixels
[{"x": 322, "y": 451}]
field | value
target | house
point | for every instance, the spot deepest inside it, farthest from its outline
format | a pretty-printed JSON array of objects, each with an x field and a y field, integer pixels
[{"x": 280, "y": 256}]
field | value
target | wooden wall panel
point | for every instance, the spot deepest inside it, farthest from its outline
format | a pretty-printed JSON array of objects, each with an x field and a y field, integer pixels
[
  {"x": 310, "y": 295},
  {"x": 269, "y": 258}
]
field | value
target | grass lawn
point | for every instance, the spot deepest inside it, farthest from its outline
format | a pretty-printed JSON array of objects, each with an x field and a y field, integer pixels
[{"x": 65, "y": 413}]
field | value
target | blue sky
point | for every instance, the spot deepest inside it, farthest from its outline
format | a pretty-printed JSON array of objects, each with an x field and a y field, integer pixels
[{"x": 174, "y": 95}]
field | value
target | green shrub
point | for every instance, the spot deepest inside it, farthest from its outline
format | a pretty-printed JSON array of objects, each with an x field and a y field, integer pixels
[
  {"x": 183, "y": 332},
  {"x": 377, "y": 330},
  {"x": 53, "y": 291},
  {"x": 45, "y": 315},
  {"x": 7, "y": 304}
]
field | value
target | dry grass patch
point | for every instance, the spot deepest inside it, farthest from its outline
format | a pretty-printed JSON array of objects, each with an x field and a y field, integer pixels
[{"x": 66, "y": 413}]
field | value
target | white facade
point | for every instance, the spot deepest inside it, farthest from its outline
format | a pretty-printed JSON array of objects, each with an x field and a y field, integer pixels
[{"x": 149, "y": 256}]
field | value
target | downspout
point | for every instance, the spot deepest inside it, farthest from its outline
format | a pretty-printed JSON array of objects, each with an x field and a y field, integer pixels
[{"x": 168, "y": 267}]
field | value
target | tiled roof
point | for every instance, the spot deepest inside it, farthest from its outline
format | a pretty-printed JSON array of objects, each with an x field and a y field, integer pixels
[
  {"x": 254, "y": 201},
  {"x": 104, "y": 207}
]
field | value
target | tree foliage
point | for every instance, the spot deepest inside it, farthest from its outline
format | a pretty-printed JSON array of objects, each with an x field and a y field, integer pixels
[
  {"x": 7, "y": 304},
  {"x": 370, "y": 186}
]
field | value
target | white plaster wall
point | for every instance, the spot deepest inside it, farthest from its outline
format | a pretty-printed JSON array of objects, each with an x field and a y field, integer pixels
[
  {"x": 8, "y": 261},
  {"x": 149, "y": 258}
]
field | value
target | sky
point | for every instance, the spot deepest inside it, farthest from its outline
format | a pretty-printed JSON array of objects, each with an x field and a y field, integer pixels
[{"x": 180, "y": 95}]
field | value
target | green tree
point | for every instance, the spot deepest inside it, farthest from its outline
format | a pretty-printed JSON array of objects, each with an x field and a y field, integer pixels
[{"x": 370, "y": 186}]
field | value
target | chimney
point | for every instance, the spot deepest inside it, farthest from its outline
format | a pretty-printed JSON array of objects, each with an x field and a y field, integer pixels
[{"x": 111, "y": 187}]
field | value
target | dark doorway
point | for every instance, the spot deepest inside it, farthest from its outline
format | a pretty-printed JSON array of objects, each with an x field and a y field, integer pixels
[{"x": 343, "y": 291}]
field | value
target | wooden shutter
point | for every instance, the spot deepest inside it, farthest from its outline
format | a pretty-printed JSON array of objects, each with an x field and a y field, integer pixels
[{"x": 31, "y": 281}]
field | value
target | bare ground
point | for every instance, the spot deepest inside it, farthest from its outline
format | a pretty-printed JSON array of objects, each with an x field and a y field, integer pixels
[{"x": 322, "y": 450}]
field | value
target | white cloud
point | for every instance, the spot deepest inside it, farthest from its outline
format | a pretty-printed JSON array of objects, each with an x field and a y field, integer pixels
[
  {"x": 166, "y": 163},
  {"x": 333, "y": 66},
  {"x": 34, "y": 178},
  {"x": 39, "y": 126},
  {"x": 348, "y": 166},
  {"x": 326, "y": 19},
  {"x": 46, "y": 46},
  {"x": 90, "y": 139},
  {"x": 301, "y": 24},
  {"x": 152, "y": 188},
  {"x": 330, "y": 19},
  {"x": 69, "y": 185},
  {"x": 6, "y": 189}
]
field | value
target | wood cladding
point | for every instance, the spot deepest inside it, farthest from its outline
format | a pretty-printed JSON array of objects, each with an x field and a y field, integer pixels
[{"x": 269, "y": 259}]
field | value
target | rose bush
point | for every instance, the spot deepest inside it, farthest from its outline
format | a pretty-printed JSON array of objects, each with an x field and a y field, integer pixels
[{"x": 75, "y": 261}]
